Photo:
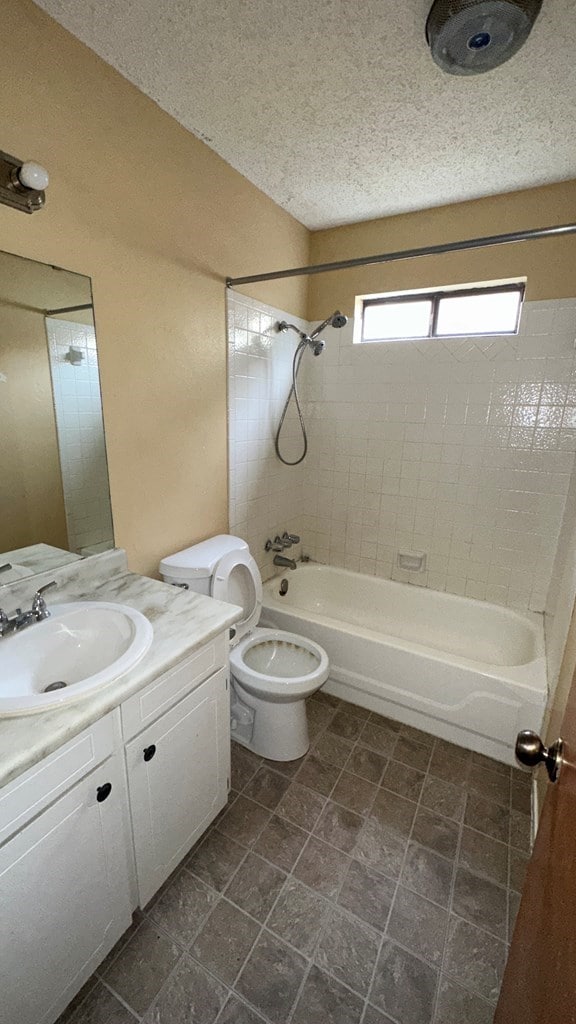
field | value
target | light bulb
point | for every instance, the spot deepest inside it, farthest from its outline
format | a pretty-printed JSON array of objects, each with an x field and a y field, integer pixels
[{"x": 33, "y": 175}]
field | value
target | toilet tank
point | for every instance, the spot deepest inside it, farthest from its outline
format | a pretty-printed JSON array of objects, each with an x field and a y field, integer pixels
[{"x": 194, "y": 566}]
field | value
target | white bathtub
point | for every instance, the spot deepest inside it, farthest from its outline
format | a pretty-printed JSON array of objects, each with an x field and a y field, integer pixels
[{"x": 468, "y": 671}]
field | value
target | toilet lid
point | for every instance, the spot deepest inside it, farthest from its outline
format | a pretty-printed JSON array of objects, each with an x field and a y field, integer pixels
[{"x": 237, "y": 580}]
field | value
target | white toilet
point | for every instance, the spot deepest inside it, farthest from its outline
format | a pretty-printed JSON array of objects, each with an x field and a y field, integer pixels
[{"x": 272, "y": 671}]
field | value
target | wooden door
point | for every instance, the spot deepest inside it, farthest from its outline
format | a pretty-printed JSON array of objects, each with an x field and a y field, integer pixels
[
  {"x": 64, "y": 897},
  {"x": 178, "y": 771},
  {"x": 539, "y": 984}
]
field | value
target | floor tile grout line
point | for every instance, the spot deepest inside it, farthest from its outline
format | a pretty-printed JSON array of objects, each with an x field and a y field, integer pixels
[
  {"x": 393, "y": 901},
  {"x": 117, "y": 996},
  {"x": 453, "y": 915},
  {"x": 301, "y": 988},
  {"x": 461, "y": 825},
  {"x": 450, "y": 906},
  {"x": 220, "y": 894},
  {"x": 264, "y": 923},
  {"x": 333, "y": 905},
  {"x": 123, "y": 1001},
  {"x": 101, "y": 975},
  {"x": 244, "y": 1002},
  {"x": 252, "y": 948},
  {"x": 468, "y": 762},
  {"x": 249, "y": 1006},
  {"x": 72, "y": 1013}
]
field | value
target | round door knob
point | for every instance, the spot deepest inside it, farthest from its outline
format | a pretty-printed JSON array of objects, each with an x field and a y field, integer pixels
[
  {"x": 149, "y": 752},
  {"x": 103, "y": 792},
  {"x": 530, "y": 752}
]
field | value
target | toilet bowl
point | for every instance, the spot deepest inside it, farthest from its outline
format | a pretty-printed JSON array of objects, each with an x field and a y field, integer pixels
[{"x": 272, "y": 671}]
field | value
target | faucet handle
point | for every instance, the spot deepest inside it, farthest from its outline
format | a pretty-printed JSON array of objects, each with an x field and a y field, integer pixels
[
  {"x": 275, "y": 545},
  {"x": 47, "y": 586},
  {"x": 39, "y": 608},
  {"x": 282, "y": 542},
  {"x": 290, "y": 538}
]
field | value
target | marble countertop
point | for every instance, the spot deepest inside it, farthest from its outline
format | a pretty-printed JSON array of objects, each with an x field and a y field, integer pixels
[
  {"x": 35, "y": 558},
  {"x": 182, "y": 622}
]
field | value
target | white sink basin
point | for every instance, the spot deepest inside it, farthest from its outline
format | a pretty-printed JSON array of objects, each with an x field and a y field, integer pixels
[{"x": 85, "y": 645}]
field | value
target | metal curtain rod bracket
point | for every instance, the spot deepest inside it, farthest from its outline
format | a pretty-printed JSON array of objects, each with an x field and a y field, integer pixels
[{"x": 409, "y": 254}]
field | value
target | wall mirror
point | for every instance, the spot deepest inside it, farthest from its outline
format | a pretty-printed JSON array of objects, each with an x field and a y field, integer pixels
[{"x": 54, "y": 493}]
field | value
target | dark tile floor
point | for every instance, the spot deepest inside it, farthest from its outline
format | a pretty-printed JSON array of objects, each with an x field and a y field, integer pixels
[{"x": 375, "y": 881}]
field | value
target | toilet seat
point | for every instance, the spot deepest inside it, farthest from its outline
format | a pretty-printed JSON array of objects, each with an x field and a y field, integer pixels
[
  {"x": 291, "y": 665},
  {"x": 237, "y": 580}
]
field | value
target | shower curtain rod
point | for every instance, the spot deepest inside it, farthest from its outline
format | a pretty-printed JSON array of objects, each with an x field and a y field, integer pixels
[
  {"x": 408, "y": 254},
  {"x": 67, "y": 309}
]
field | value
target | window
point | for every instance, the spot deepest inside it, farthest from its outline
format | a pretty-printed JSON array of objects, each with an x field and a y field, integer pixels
[{"x": 443, "y": 314}]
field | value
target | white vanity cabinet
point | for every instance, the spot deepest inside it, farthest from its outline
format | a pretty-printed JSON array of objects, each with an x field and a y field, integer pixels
[
  {"x": 65, "y": 893},
  {"x": 93, "y": 830},
  {"x": 179, "y": 766}
]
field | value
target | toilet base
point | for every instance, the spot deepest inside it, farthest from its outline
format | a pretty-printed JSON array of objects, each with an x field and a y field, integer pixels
[{"x": 278, "y": 732}]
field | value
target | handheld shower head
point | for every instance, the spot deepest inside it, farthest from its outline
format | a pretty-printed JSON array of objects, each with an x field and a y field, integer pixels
[
  {"x": 337, "y": 319},
  {"x": 317, "y": 345}
]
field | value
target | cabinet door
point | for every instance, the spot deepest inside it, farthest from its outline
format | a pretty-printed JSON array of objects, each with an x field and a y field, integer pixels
[
  {"x": 64, "y": 897},
  {"x": 178, "y": 772}
]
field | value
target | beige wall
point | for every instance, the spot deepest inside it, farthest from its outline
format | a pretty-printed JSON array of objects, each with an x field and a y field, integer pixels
[
  {"x": 550, "y": 265},
  {"x": 30, "y": 483},
  {"x": 158, "y": 221}
]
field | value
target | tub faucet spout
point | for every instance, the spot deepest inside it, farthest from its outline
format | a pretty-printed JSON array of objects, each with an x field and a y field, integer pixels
[{"x": 284, "y": 563}]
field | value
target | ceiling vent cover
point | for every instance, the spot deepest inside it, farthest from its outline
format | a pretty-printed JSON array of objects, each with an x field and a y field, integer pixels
[{"x": 468, "y": 37}]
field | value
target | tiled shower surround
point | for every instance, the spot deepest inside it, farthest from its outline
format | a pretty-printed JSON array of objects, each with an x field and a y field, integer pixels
[
  {"x": 265, "y": 496},
  {"x": 375, "y": 881},
  {"x": 460, "y": 448}
]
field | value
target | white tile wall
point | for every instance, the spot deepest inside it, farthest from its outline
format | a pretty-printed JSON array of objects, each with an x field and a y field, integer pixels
[
  {"x": 459, "y": 448},
  {"x": 80, "y": 429},
  {"x": 265, "y": 496}
]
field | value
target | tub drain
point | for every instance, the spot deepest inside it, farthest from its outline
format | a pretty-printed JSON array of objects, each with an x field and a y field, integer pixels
[{"x": 58, "y": 685}]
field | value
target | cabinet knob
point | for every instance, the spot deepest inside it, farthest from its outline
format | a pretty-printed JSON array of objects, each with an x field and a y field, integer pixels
[
  {"x": 149, "y": 752},
  {"x": 103, "y": 792}
]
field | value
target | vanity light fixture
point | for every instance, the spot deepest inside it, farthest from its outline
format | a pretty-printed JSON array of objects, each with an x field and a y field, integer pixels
[{"x": 22, "y": 183}]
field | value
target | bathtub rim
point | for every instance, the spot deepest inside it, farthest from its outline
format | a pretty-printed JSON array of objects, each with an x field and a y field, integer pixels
[{"x": 529, "y": 675}]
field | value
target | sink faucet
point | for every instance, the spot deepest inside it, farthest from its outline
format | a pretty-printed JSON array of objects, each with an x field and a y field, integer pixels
[
  {"x": 39, "y": 609},
  {"x": 20, "y": 620},
  {"x": 285, "y": 563}
]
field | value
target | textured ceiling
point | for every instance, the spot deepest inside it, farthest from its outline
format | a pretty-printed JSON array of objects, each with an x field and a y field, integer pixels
[{"x": 334, "y": 108}]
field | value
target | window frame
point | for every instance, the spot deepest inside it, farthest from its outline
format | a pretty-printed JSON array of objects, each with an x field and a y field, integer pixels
[{"x": 435, "y": 297}]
